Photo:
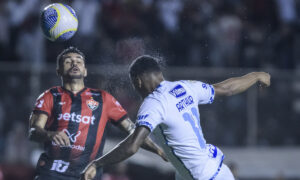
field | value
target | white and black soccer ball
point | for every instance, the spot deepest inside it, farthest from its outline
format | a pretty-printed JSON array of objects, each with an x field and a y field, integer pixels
[{"x": 59, "y": 22}]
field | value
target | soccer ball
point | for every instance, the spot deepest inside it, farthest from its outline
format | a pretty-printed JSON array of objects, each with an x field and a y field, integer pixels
[{"x": 59, "y": 22}]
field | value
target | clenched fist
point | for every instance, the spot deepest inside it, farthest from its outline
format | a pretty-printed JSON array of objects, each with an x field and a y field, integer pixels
[
  {"x": 264, "y": 78},
  {"x": 89, "y": 172}
]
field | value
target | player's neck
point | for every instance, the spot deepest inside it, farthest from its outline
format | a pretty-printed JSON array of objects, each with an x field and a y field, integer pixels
[
  {"x": 74, "y": 85},
  {"x": 156, "y": 84},
  {"x": 152, "y": 87}
]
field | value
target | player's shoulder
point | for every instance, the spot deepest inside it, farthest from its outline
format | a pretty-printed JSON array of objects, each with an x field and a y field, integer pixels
[
  {"x": 161, "y": 93},
  {"x": 97, "y": 92},
  {"x": 177, "y": 84},
  {"x": 156, "y": 95},
  {"x": 49, "y": 92},
  {"x": 154, "y": 99},
  {"x": 179, "y": 89},
  {"x": 175, "y": 88},
  {"x": 192, "y": 84},
  {"x": 94, "y": 92},
  {"x": 52, "y": 89}
]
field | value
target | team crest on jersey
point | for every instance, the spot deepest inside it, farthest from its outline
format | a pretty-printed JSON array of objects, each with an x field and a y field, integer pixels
[
  {"x": 92, "y": 104},
  {"x": 178, "y": 91}
]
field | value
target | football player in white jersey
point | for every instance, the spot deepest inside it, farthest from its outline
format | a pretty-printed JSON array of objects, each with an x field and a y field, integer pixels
[{"x": 171, "y": 108}]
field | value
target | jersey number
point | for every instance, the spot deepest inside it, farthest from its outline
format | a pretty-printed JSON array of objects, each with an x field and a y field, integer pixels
[
  {"x": 194, "y": 120},
  {"x": 60, "y": 166}
]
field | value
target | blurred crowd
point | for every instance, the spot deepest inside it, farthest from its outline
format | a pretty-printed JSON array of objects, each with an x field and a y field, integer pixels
[
  {"x": 199, "y": 33},
  {"x": 206, "y": 33}
]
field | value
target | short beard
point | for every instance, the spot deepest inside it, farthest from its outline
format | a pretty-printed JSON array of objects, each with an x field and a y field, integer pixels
[{"x": 71, "y": 77}]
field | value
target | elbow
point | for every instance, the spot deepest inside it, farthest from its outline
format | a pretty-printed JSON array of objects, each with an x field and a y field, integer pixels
[
  {"x": 131, "y": 147},
  {"x": 132, "y": 150},
  {"x": 133, "y": 143},
  {"x": 223, "y": 91},
  {"x": 32, "y": 134}
]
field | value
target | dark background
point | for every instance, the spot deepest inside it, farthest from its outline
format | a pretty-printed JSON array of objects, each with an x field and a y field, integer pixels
[{"x": 207, "y": 40}]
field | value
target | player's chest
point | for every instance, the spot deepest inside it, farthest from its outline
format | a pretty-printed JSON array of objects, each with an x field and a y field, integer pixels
[{"x": 83, "y": 110}]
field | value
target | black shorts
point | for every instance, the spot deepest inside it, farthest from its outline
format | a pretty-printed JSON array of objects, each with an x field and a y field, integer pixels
[
  {"x": 56, "y": 176},
  {"x": 44, "y": 172},
  {"x": 51, "y": 176}
]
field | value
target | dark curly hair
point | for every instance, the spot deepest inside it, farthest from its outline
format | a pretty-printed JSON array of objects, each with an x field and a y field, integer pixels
[{"x": 144, "y": 64}]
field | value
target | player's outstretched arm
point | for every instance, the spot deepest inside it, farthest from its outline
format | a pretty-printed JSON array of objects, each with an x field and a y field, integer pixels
[
  {"x": 122, "y": 151},
  {"x": 128, "y": 126},
  {"x": 39, "y": 134},
  {"x": 237, "y": 85}
]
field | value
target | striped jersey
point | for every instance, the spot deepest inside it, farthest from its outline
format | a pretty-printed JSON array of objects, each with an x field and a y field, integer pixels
[
  {"x": 172, "y": 110},
  {"x": 83, "y": 117}
]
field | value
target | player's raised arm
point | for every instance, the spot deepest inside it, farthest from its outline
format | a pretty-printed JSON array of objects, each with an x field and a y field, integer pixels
[
  {"x": 128, "y": 126},
  {"x": 122, "y": 151},
  {"x": 237, "y": 85}
]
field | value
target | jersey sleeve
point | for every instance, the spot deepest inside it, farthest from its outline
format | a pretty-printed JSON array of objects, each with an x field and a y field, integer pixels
[
  {"x": 204, "y": 93},
  {"x": 151, "y": 114},
  {"x": 44, "y": 103},
  {"x": 116, "y": 113}
]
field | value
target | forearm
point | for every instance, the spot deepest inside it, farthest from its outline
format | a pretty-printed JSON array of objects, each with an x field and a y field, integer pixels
[
  {"x": 125, "y": 149},
  {"x": 128, "y": 126},
  {"x": 121, "y": 152},
  {"x": 39, "y": 134},
  {"x": 236, "y": 85},
  {"x": 149, "y": 145},
  {"x": 37, "y": 124}
]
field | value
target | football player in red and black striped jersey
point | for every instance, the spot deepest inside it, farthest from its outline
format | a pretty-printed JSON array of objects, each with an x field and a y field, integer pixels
[{"x": 70, "y": 121}]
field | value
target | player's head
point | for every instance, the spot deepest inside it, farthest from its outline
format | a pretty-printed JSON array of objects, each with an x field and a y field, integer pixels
[
  {"x": 71, "y": 64},
  {"x": 145, "y": 74}
]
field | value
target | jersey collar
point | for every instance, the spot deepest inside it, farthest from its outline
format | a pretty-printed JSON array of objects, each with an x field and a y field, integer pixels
[
  {"x": 160, "y": 85},
  {"x": 71, "y": 93}
]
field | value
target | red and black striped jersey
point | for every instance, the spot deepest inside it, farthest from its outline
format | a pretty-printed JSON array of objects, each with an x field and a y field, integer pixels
[{"x": 83, "y": 117}]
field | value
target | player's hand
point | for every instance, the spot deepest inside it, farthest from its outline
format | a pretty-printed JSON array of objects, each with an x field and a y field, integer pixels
[
  {"x": 264, "y": 79},
  {"x": 59, "y": 137},
  {"x": 89, "y": 172},
  {"x": 162, "y": 154}
]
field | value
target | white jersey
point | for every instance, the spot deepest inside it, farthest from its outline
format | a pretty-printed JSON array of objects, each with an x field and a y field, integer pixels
[{"x": 173, "y": 109}]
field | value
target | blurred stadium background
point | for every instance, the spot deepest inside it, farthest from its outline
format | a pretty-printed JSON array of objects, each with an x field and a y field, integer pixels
[{"x": 208, "y": 40}]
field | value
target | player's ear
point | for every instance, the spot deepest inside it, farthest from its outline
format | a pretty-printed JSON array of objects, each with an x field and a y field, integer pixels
[
  {"x": 85, "y": 72},
  {"x": 139, "y": 82},
  {"x": 58, "y": 72}
]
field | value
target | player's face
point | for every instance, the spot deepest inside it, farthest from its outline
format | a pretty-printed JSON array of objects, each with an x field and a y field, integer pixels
[{"x": 73, "y": 66}]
